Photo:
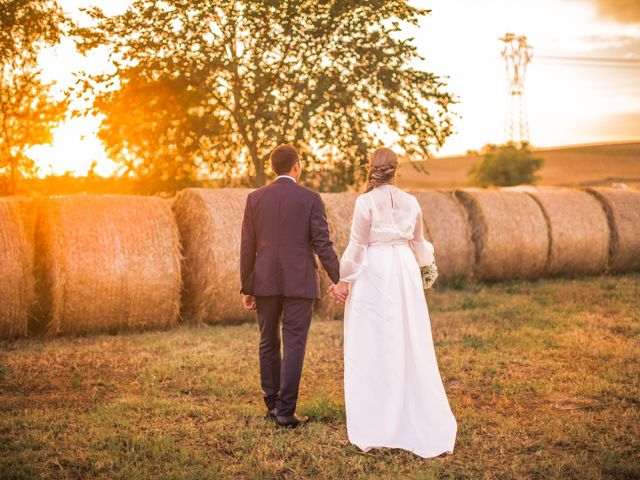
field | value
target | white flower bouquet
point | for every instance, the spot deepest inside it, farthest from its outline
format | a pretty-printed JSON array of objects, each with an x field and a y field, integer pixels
[{"x": 429, "y": 275}]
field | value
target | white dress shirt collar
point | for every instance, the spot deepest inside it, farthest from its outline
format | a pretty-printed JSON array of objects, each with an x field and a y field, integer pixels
[{"x": 287, "y": 176}]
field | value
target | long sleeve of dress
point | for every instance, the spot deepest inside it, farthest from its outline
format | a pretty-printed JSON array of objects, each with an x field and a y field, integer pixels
[
  {"x": 422, "y": 249},
  {"x": 354, "y": 258}
]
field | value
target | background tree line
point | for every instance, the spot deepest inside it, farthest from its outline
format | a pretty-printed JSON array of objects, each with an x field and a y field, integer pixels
[
  {"x": 205, "y": 90},
  {"x": 209, "y": 88}
]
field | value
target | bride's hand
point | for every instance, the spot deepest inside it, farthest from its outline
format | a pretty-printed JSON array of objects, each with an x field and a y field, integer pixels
[
  {"x": 341, "y": 291},
  {"x": 330, "y": 291}
]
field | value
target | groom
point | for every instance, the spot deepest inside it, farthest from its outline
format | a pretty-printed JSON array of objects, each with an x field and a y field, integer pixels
[{"x": 283, "y": 225}]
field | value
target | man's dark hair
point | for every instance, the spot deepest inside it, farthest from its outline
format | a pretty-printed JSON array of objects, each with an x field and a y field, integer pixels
[{"x": 283, "y": 158}]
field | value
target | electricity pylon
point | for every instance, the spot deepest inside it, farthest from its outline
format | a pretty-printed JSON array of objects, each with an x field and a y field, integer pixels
[{"x": 517, "y": 54}]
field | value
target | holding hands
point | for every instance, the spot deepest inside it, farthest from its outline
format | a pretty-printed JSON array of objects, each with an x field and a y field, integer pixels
[{"x": 339, "y": 291}]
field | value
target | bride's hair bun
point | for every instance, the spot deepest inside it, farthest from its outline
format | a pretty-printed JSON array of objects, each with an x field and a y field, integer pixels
[{"x": 382, "y": 168}]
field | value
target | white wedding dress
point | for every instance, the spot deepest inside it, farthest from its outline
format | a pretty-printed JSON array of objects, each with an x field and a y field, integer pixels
[{"x": 394, "y": 396}]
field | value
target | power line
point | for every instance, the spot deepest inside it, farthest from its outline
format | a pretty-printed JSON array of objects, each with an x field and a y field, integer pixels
[{"x": 620, "y": 62}]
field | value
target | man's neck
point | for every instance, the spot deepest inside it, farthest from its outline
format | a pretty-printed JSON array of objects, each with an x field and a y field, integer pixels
[{"x": 287, "y": 176}]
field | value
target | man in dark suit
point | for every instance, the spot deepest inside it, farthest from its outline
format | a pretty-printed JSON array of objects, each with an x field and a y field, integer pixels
[{"x": 284, "y": 224}]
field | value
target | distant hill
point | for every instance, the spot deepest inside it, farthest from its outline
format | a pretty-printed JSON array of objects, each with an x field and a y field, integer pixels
[{"x": 574, "y": 166}]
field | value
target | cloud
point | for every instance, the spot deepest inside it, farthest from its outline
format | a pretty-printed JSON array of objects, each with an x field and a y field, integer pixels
[
  {"x": 624, "y": 46},
  {"x": 624, "y": 11}
]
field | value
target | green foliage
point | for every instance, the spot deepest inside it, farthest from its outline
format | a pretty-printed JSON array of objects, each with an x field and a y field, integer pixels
[
  {"x": 213, "y": 87},
  {"x": 505, "y": 165},
  {"x": 27, "y": 111}
]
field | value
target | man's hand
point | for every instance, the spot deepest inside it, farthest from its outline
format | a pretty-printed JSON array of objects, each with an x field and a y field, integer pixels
[
  {"x": 340, "y": 291},
  {"x": 330, "y": 291},
  {"x": 249, "y": 302}
]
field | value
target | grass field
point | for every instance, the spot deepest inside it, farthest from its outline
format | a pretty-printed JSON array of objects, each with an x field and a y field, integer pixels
[
  {"x": 543, "y": 378},
  {"x": 576, "y": 166}
]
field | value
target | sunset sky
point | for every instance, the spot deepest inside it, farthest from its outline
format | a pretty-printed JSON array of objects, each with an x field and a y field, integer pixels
[{"x": 583, "y": 85}]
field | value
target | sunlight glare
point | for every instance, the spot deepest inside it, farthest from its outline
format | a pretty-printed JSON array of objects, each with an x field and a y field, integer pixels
[{"x": 74, "y": 147}]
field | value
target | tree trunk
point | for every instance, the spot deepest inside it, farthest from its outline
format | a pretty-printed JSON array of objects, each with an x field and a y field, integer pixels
[{"x": 260, "y": 177}]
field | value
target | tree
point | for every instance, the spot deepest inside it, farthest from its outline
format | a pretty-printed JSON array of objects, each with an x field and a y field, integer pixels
[
  {"x": 215, "y": 86},
  {"x": 505, "y": 165},
  {"x": 25, "y": 25},
  {"x": 27, "y": 113}
]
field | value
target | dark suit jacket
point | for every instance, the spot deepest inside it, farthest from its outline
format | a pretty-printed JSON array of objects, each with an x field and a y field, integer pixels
[{"x": 283, "y": 225}]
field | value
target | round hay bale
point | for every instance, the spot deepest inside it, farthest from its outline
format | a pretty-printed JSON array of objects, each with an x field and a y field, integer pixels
[
  {"x": 447, "y": 227},
  {"x": 622, "y": 207},
  {"x": 107, "y": 263},
  {"x": 520, "y": 188},
  {"x": 210, "y": 224},
  {"x": 509, "y": 232},
  {"x": 578, "y": 231},
  {"x": 339, "y": 207},
  {"x": 17, "y": 293}
]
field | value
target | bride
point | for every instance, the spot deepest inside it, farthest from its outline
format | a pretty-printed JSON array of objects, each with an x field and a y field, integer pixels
[{"x": 394, "y": 396}]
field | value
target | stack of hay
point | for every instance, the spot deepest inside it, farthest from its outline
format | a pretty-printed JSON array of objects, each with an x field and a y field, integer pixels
[
  {"x": 509, "y": 232},
  {"x": 210, "y": 224},
  {"x": 110, "y": 263},
  {"x": 17, "y": 294},
  {"x": 578, "y": 231},
  {"x": 447, "y": 228},
  {"x": 622, "y": 207},
  {"x": 107, "y": 263}
]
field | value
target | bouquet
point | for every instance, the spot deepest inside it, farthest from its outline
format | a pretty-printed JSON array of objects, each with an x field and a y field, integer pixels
[{"x": 429, "y": 275}]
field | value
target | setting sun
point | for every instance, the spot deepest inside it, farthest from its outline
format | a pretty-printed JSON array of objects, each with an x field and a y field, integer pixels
[{"x": 74, "y": 148}]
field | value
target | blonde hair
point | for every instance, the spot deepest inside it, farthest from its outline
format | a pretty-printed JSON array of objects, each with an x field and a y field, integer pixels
[{"x": 382, "y": 168}]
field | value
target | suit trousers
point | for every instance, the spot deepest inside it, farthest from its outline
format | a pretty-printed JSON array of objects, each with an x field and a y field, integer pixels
[{"x": 280, "y": 377}]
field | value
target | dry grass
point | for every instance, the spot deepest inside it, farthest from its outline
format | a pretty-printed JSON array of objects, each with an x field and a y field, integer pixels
[
  {"x": 447, "y": 227},
  {"x": 210, "y": 224},
  {"x": 622, "y": 207},
  {"x": 543, "y": 378},
  {"x": 107, "y": 263},
  {"x": 509, "y": 232},
  {"x": 570, "y": 167},
  {"x": 17, "y": 286},
  {"x": 578, "y": 232}
]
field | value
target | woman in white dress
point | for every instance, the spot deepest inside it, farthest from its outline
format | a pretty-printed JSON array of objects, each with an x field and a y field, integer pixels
[{"x": 394, "y": 396}]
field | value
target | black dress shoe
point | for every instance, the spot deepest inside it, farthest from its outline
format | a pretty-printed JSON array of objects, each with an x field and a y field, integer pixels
[
  {"x": 271, "y": 414},
  {"x": 291, "y": 421}
]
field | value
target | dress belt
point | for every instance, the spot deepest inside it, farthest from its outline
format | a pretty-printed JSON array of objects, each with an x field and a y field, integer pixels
[{"x": 392, "y": 242}]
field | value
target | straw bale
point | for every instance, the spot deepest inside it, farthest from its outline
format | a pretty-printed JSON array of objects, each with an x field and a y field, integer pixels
[
  {"x": 210, "y": 224},
  {"x": 447, "y": 227},
  {"x": 622, "y": 207},
  {"x": 17, "y": 294},
  {"x": 107, "y": 263},
  {"x": 509, "y": 232},
  {"x": 578, "y": 231},
  {"x": 520, "y": 188},
  {"x": 339, "y": 208}
]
